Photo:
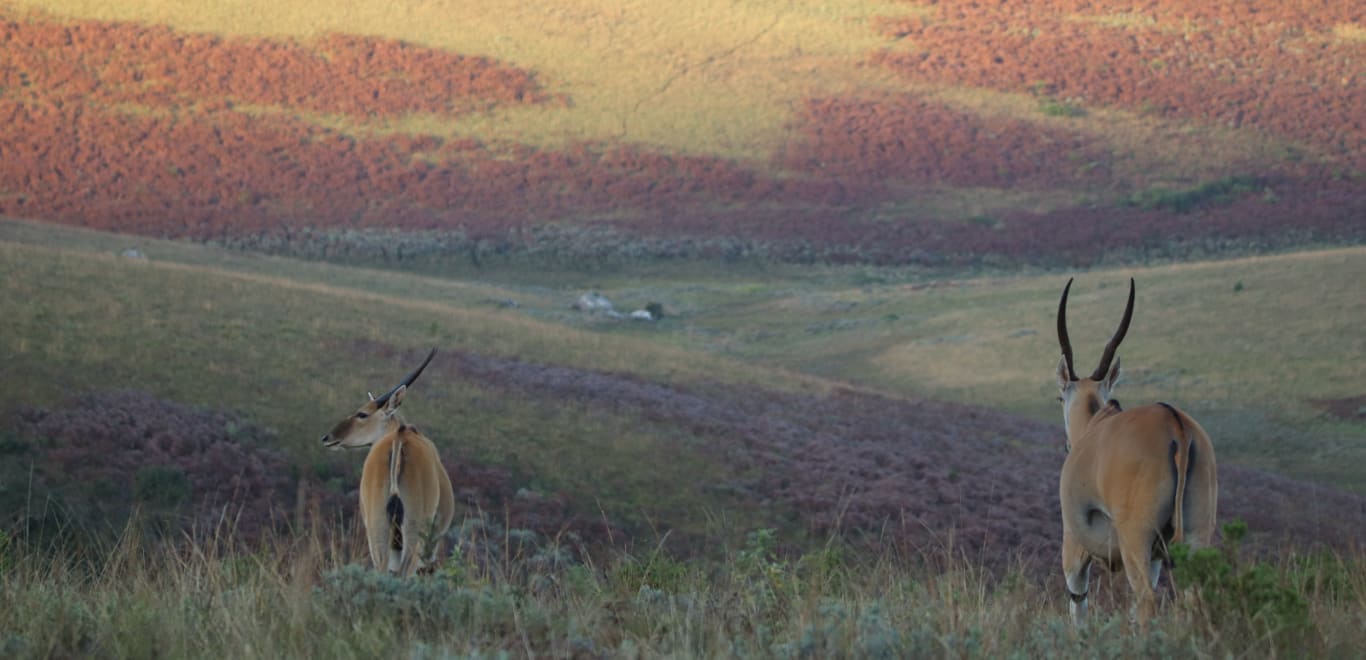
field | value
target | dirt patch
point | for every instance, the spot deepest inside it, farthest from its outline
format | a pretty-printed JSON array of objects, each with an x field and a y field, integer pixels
[{"x": 1352, "y": 408}]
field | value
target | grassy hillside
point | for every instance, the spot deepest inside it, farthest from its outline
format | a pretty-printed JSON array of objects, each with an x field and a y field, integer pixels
[
  {"x": 296, "y": 344},
  {"x": 830, "y": 516},
  {"x": 270, "y": 339},
  {"x": 841, "y": 437},
  {"x": 1264, "y": 350},
  {"x": 890, "y": 132}
]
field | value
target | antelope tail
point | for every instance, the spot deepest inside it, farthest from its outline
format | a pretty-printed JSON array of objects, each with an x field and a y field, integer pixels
[
  {"x": 1183, "y": 455},
  {"x": 395, "y": 462}
]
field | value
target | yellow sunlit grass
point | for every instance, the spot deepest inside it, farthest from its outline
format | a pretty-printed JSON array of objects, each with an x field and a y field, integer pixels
[
  {"x": 707, "y": 77},
  {"x": 1350, "y": 32},
  {"x": 1144, "y": 146},
  {"x": 1137, "y": 21}
]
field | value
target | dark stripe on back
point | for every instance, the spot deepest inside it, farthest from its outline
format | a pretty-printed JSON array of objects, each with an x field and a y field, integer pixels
[{"x": 1175, "y": 414}]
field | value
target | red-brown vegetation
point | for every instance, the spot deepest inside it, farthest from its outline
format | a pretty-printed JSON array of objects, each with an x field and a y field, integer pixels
[
  {"x": 143, "y": 129},
  {"x": 211, "y": 475},
  {"x": 199, "y": 471},
  {"x": 110, "y": 63},
  {"x": 882, "y": 145},
  {"x": 1265, "y": 65}
]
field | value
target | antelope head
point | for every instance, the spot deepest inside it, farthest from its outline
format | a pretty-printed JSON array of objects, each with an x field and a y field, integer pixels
[
  {"x": 1082, "y": 398},
  {"x": 375, "y": 419}
]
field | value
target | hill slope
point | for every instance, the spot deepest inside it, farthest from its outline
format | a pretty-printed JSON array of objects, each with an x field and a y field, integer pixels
[
  {"x": 651, "y": 437},
  {"x": 881, "y": 131}
]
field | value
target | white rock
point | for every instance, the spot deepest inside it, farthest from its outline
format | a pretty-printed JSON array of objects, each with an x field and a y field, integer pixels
[{"x": 592, "y": 302}]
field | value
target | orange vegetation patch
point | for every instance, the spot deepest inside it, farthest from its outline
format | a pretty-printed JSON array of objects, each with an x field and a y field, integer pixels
[
  {"x": 139, "y": 129},
  {"x": 135, "y": 128},
  {"x": 90, "y": 61},
  {"x": 909, "y": 140},
  {"x": 1265, "y": 65}
]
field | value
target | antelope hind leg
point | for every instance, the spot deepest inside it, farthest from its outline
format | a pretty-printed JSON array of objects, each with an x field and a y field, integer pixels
[{"x": 1076, "y": 568}]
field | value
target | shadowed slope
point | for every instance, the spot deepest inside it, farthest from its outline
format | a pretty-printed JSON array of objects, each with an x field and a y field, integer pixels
[{"x": 919, "y": 474}]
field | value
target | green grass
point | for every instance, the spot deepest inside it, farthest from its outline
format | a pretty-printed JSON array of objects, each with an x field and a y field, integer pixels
[
  {"x": 1249, "y": 362},
  {"x": 267, "y": 336},
  {"x": 270, "y": 339},
  {"x": 1210, "y": 193},
  {"x": 1060, "y": 108}
]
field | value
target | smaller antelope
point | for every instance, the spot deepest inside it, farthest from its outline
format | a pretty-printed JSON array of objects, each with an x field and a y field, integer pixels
[
  {"x": 1134, "y": 480},
  {"x": 406, "y": 501}
]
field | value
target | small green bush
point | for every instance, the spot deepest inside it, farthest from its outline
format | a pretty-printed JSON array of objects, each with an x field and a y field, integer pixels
[
  {"x": 360, "y": 594},
  {"x": 1058, "y": 108},
  {"x": 1234, "y": 593},
  {"x": 1220, "y": 191},
  {"x": 655, "y": 571},
  {"x": 161, "y": 486},
  {"x": 758, "y": 567}
]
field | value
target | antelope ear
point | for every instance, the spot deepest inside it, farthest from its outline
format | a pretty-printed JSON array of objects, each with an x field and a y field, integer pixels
[
  {"x": 1112, "y": 378},
  {"x": 395, "y": 399},
  {"x": 1064, "y": 378}
]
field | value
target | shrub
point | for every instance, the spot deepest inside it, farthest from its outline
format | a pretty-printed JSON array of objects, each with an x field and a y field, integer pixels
[
  {"x": 106, "y": 454},
  {"x": 1058, "y": 108},
  {"x": 359, "y": 594},
  {"x": 1231, "y": 593},
  {"x": 1218, "y": 192},
  {"x": 161, "y": 486},
  {"x": 656, "y": 571}
]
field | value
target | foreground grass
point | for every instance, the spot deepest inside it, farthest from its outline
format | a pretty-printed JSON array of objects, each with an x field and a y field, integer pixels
[{"x": 300, "y": 598}]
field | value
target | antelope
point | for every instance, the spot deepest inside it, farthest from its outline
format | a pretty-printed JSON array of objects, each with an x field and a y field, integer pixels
[
  {"x": 1135, "y": 480},
  {"x": 406, "y": 503}
]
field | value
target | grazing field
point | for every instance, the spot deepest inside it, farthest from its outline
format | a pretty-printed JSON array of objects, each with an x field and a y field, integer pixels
[
  {"x": 582, "y": 406},
  {"x": 605, "y": 458},
  {"x": 836, "y": 435}
]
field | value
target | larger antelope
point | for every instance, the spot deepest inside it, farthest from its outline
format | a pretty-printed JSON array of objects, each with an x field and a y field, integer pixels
[
  {"x": 406, "y": 501},
  {"x": 1134, "y": 480}
]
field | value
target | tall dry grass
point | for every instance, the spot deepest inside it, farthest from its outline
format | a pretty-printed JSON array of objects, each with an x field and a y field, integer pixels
[{"x": 499, "y": 595}]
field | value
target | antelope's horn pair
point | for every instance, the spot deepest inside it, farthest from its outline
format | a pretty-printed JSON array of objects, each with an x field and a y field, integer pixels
[
  {"x": 1110, "y": 347},
  {"x": 407, "y": 380}
]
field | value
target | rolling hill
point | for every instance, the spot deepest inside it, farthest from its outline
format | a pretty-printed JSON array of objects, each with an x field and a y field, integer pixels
[
  {"x": 572, "y": 425},
  {"x": 888, "y": 132}
]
